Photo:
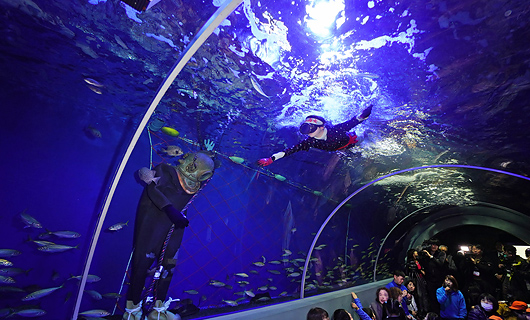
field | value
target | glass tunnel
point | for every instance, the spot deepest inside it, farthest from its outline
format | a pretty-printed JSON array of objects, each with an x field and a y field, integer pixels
[{"x": 93, "y": 91}]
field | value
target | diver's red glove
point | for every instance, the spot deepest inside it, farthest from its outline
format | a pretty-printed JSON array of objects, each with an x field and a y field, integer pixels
[
  {"x": 176, "y": 217},
  {"x": 265, "y": 162}
]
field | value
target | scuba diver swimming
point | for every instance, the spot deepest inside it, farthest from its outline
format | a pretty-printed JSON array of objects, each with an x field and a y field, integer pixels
[
  {"x": 159, "y": 227},
  {"x": 331, "y": 138}
]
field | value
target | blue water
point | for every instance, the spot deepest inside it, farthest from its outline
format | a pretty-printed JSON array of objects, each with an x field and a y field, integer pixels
[{"x": 449, "y": 84}]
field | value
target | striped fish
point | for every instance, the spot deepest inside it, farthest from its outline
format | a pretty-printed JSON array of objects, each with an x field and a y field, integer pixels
[
  {"x": 30, "y": 221},
  {"x": 40, "y": 293}
]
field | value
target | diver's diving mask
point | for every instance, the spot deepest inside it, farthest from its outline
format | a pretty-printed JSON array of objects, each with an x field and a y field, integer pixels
[
  {"x": 193, "y": 169},
  {"x": 311, "y": 124},
  {"x": 307, "y": 128}
]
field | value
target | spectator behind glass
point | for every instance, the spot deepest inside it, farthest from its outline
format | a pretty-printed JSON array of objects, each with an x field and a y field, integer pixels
[
  {"x": 393, "y": 310},
  {"x": 513, "y": 283},
  {"x": 317, "y": 313},
  {"x": 433, "y": 262},
  {"x": 415, "y": 271},
  {"x": 449, "y": 264},
  {"x": 411, "y": 300},
  {"x": 516, "y": 311},
  {"x": 486, "y": 308},
  {"x": 452, "y": 302},
  {"x": 341, "y": 314},
  {"x": 431, "y": 316},
  {"x": 369, "y": 312},
  {"x": 399, "y": 277},
  {"x": 356, "y": 304},
  {"x": 396, "y": 295},
  {"x": 381, "y": 297},
  {"x": 526, "y": 275},
  {"x": 479, "y": 275}
]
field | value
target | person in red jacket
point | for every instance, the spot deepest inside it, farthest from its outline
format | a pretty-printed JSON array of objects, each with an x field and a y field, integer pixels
[{"x": 331, "y": 138}]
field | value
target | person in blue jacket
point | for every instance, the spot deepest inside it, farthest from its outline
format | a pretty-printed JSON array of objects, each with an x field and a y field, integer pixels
[
  {"x": 399, "y": 278},
  {"x": 452, "y": 302},
  {"x": 358, "y": 307}
]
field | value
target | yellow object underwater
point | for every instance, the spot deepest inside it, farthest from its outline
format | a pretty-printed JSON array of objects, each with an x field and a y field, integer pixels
[
  {"x": 170, "y": 131},
  {"x": 280, "y": 177},
  {"x": 236, "y": 159},
  {"x": 318, "y": 193}
]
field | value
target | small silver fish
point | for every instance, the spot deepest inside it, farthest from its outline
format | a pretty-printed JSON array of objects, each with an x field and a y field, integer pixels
[
  {"x": 366, "y": 75},
  {"x": 94, "y": 294},
  {"x": 6, "y": 253},
  {"x": 147, "y": 175},
  {"x": 42, "y": 243},
  {"x": 117, "y": 226},
  {"x": 216, "y": 283},
  {"x": 249, "y": 293},
  {"x": 28, "y": 313},
  {"x": 111, "y": 295},
  {"x": 30, "y": 221},
  {"x": 95, "y": 89},
  {"x": 6, "y": 280},
  {"x": 54, "y": 248},
  {"x": 93, "y": 82},
  {"x": 173, "y": 151},
  {"x": 90, "y": 278},
  {"x": 94, "y": 313},
  {"x": 242, "y": 275},
  {"x": 120, "y": 42},
  {"x": 93, "y": 132},
  {"x": 230, "y": 303},
  {"x": 258, "y": 88},
  {"x": 66, "y": 234},
  {"x": 40, "y": 293}
]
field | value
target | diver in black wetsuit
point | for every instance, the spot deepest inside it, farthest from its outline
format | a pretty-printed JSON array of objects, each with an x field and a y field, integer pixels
[
  {"x": 159, "y": 208},
  {"x": 321, "y": 137}
]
